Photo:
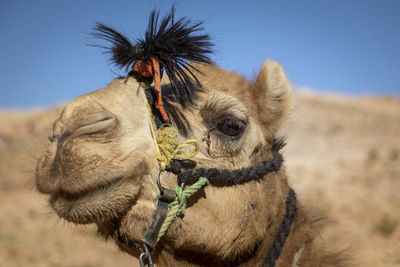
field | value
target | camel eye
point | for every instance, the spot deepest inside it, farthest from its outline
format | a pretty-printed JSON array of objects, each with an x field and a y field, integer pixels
[{"x": 230, "y": 126}]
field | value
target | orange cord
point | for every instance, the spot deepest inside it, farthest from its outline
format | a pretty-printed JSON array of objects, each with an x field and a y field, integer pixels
[{"x": 152, "y": 69}]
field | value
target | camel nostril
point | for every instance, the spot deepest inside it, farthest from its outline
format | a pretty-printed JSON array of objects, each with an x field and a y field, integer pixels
[{"x": 91, "y": 126}]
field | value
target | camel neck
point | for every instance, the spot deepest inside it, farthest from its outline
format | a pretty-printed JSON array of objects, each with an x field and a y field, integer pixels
[{"x": 266, "y": 252}]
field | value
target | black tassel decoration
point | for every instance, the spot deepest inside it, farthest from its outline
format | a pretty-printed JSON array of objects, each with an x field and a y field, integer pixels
[{"x": 173, "y": 45}]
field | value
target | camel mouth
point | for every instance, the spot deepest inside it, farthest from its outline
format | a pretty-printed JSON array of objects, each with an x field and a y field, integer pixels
[
  {"x": 70, "y": 195},
  {"x": 96, "y": 205}
]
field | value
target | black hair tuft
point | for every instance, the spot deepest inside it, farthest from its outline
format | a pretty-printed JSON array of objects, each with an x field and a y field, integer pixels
[
  {"x": 175, "y": 44},
  {"x": 278, "y": 143}
]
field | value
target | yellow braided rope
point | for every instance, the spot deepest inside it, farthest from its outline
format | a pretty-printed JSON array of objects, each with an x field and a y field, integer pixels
[
  {"x": 166, "y": 142},
  {"x": 153, "y": 134},
  {"x": 167, "y": 139}
]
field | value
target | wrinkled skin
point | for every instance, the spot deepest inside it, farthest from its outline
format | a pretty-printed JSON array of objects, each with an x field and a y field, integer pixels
[{"x": 101, "y": 168}]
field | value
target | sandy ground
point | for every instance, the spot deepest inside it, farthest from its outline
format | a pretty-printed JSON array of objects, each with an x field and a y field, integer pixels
[{"x": 342, "y": 156}]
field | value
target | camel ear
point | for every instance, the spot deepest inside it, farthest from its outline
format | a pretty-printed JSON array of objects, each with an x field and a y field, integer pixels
[{"x": 273, "y": 95}]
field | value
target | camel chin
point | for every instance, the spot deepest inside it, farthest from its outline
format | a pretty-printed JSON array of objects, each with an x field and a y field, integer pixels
[{"x": 95, "y": 206}]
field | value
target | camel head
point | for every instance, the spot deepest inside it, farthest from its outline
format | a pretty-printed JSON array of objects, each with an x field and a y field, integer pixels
[{"x": 101, "y": 163}]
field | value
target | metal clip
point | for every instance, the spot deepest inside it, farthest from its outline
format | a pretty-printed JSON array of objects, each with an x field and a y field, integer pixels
[
  {"x": 160, "y": 187},
  {"x": 166, "y": 195},
  {"x": 145, "y": 259}
]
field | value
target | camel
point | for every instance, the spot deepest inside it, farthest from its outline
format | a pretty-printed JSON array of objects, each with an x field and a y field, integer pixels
[{"x": 101, "y": 167}]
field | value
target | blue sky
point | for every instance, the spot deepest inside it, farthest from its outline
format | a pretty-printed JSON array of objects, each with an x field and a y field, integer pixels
[{"x": 346, "y": 46}]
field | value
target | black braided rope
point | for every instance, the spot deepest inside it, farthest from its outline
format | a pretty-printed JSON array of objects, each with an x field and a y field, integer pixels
[
  {"x": 284, "y": 230},
  {"x": 218, "y": 177}
]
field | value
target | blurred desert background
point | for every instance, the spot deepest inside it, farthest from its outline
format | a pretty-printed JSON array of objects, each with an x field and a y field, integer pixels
[{"x": 342, "y": 156}]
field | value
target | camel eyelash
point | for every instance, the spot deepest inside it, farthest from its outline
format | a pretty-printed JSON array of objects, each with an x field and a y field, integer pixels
[
  {"x": 229, "y": 143},
  {"x": 228, "y": 127}
]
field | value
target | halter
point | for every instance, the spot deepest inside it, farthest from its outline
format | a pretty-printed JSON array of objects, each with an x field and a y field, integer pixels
[
  {"x": 171, "y": 46},
  {"x": 167, "y": 150},
  {"x": 215, "y": 177}
]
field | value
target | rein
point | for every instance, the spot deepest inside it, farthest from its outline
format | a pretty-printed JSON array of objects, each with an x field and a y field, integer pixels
[
  {"x": 166, "y": 144},
  {"x": 284, "y": 230}
]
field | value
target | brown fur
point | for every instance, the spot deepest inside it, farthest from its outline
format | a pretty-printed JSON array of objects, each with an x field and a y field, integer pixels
[{"x": 101, "y": 168}]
